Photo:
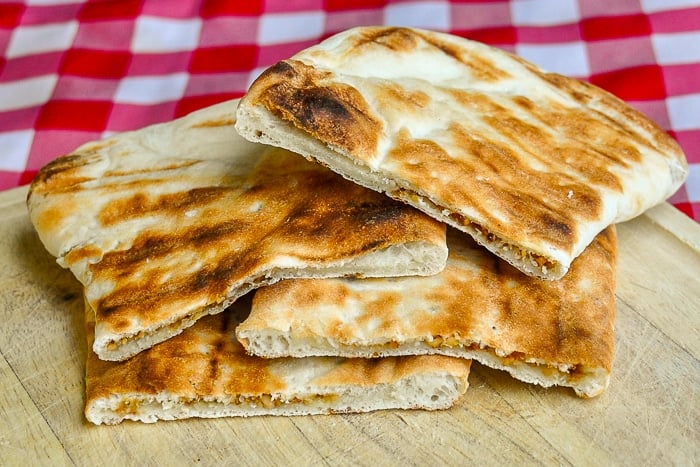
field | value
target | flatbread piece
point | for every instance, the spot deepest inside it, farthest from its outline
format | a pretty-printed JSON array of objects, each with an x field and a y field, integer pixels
[
  {"x": 175, "y": 221},
  {"x": 532, "y": 164},
  {"x": 479, "y": 307},
  {"x": 204, "y": 372}
]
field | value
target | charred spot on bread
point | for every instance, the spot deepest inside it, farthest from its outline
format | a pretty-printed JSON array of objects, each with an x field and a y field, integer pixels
[{"x": 334, "y": 112}]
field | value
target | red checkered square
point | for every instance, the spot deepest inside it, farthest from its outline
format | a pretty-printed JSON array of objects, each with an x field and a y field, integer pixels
[
  {"x": 497, "y": 36},
  {"x": 103, "y": 10},
  {"x": 294, "y": 6},
  {"x": 645, "y": 82},
  {"x": 95, "y": 63},
  {"x": 344, "y": 5},
  {"x": 192, "y": 103},
  {"x": 213, "y": 8},
  {"x": 25, "y": 177},
  {"x": 223, "y": 59},
  {"x": 10, "y": 14},
  {"x": 74, "y": 115},
  {"x": 595, "y": 29}
]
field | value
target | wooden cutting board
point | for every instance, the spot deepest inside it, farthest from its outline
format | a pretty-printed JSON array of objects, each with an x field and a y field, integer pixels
[{"x": 650, "y": 415}]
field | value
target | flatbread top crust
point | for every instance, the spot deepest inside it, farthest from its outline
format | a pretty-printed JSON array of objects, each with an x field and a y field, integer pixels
[{"x": 532, "y": 164}]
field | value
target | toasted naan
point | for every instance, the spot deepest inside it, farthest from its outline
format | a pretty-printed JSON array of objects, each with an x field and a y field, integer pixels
[
  {"x": 479, "y": 307},
  {"x": 175, "y": 221},
  {"x": 204, "y": 372},
  {"x": 532, "y": 164}
]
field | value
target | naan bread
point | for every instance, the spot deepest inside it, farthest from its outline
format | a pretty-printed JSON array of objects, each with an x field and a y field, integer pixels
[
  {"x": 532, "y": 164},
  {"x": 175, "y": 221},
  {"x": 478, "y": 307},
  {"x": 204, "y": 372}
]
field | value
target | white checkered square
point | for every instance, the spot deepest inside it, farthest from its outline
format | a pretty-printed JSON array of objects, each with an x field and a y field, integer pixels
[
  {"x": 27, "y": 92},
  {"x": 15, "y": 149},
  {"x": 683, "y": 112},
  {"x": 41, "y": 38},
  {"x": 158, "y": 35},
  {"x": 677, "y": 48},
  {"x": 567, "y": 58},
  {"x": 692, "y": 184},
  {"x": 544, "y": 12},
  {"x": 49, "y": 2},
  {"x": 652, "y": 6},
  {"x": 253, "y": 75},
  {"x": 427, "y": 15},
  {"x": 276, "y": 28},
  {"x": 151, "y": 89}
]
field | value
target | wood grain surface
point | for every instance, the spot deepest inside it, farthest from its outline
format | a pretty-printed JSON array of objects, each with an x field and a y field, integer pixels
[{"x": 650, "y": 414}]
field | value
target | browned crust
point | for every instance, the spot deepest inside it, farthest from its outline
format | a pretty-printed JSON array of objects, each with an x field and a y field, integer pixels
[
  {"x": 207, "y": 363},
  {"x": 196, "y": 235},
  {"x": 478, "y": 302},
  {"x": 204, "y": 360},
  {"x": 556, "y": 172},
  {"x": 326, "y": 221},
  {"x": 334, "y": 113}
]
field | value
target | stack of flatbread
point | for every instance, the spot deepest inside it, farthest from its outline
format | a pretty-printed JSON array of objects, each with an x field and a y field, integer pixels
[{"x": 377, "y": 211}]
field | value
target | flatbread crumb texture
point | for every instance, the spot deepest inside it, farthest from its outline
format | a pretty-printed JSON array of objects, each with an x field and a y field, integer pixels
[{"x": 533, "y": 165}]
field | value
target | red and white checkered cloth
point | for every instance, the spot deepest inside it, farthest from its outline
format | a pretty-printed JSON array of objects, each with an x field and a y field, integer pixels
[{"x": 73, "y": 71}]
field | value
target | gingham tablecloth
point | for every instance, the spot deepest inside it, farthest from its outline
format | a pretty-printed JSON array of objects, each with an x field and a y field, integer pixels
[{"x": 75, "y": 71}]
